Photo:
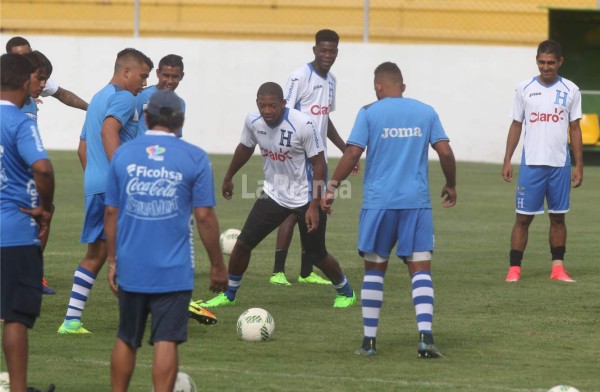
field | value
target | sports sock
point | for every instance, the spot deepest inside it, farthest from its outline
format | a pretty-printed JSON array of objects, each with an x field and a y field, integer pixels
[
  {"x": 371, "y": 296},
  {"x": 83, "y": 281},
  {"x": 515, "y": 257},
  {"x": 343, "y": 287},
  {"x": 422, "y": 294},
  {"x": 306, "y": 267},
  {"x": 232, "y": 286},
  {"x": 280, "y": 258}
]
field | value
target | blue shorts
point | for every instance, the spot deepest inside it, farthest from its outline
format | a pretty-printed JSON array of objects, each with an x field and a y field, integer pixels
[
  {"x": 537, "y": 183},
  {"x": 380, "y": 230},
  {"x": 169, "y": 317},
  {"x": 93, "y": 222}
]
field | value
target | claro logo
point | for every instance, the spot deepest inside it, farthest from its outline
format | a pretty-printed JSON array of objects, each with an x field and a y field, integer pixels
[
  {"x": 547, "y": 117},
  {"x": 316, "y": 110}
]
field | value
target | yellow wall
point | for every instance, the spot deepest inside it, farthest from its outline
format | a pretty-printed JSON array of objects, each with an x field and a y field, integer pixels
[{"x": 512, "y": 22}]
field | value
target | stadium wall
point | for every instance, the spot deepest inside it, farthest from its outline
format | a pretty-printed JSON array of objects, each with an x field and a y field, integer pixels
[{"x": 471, "y": 87}]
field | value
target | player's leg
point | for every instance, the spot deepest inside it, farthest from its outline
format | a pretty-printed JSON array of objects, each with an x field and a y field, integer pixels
[
  {"x": 316, "y": 251},
  {"x": 122, "y": 365},
  {"x": 15, "y": 347},
  {"x": 529, "y": 201},
  {"x": 88, "y": 269},
  {"x": 285, "y": 232},
  {"x": 266, "y": 215},
  {"x": 558, "y": 196},
  {"x": 165, "y": 366}
]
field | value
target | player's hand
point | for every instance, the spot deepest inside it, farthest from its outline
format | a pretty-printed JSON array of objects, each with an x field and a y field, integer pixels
[
  {"x": 112, "y": 278},
  {"x": 312, "y": 217},
  {"x": 448, "y": 196},
  {"x": 42, "y": 218},
  {"x": 327, "y": 202},
  {"x": 507, "y": 171},
  {"x": 227, "y": 189},
  {"x": 38, "y": 101},
  {"x": 218, "y": 278},
  {"x": 577, "y": 177},
  {"x": 356, "y": 169}
]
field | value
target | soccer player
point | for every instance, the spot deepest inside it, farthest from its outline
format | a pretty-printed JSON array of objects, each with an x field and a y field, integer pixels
[
  {"x": 20, "y": 45},
  {"x": 39, "y": 77},
  {"x": 550, "y": 107},
  {"x": 310, "y": 89},
  {"x": 397, "y": 133},
  {"x": 288, "y": 141},
  {"x": 151, "y": 263},
  {"x": 169, "y": 74},
  {"x": 110, "y": 121},
  {"x": 26, "y": 208}
]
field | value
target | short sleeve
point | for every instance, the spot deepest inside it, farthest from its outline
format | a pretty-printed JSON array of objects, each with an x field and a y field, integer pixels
[
  {"x": 437, "y": 130},
  {"x": 575, "y": 112},
  {"x": 311, "y": 140},
  {"x": 50, "y": 89},
  {"x": 111, "y": 197},
  {"x": 122, "y": 105},
  {"x": 29, "y": 143},
  {"x": 518, "y": 107},
  {"x": 248, "y": 137},
  {"x": 203, "y": 187},
  {"x": 359, "y": 135}
]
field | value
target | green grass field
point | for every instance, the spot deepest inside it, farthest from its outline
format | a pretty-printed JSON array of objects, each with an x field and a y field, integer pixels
[{"x": 526, "y": 336}]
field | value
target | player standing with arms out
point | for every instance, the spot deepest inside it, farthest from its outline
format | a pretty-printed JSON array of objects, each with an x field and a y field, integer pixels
[
  {"x": 550, "y": 107},
  {"x": 288, "y": 141},
  {"x": 169, "y": 74},
  {"x": 20, "y": 45},
  {"x": 26, "y": 208},
  {"x": 310, "y": 89},
  {"x": 151, "y": 262},
  {"x": 111, "y": 120},
  {"x": 397, "y": 133}
]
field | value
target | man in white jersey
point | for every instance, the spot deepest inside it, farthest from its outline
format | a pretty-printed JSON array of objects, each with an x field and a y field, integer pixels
[
  {"x": 20, "y": 45},
  {"x": 288, "y": 142},
  {"x": 550, "y": 107},
  {"x": 397, "y": 133},
  {"x": 310, "y": 89}
]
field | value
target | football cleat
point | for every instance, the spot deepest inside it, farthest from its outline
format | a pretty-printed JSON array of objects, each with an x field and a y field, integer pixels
[
  {"x": 219, "y": 300},
  {"x": 368, "y": 347},
  {"x": 341, "y": 301},
  {"x": 279, "y": 279},
  {"x": 201, "y": 315},
  {"x": 45, "y": 288},
  {"x": 427, "y": 348},
  {"x": 559, "y": 273},
  {"x": 514, "y": 274},
  {"x": 313, "y": 278},
  {"x": 72, "y": 327}
]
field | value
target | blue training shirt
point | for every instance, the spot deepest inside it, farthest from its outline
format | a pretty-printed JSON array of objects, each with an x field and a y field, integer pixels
[
  {"x": 156, "y": 180},
  {"x": 20, "y": 147},
  {"x": 30, "y": 109},
  {"x": 396, "y": 132},
  {"x": 142, "y": 101},
  {"x": 111, "y": 101}
]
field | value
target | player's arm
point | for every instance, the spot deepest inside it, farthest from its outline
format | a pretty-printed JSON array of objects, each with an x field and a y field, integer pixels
[
  {"x": 70, "y": 99},
  {"x": 448, "y": 164},
  {"x": 514, "y": 135},
  {"x": 334, "y": 136},
  {"x": 110, "y": 230},
  {"x": 208, "y": 228},
  {"x": 81, "y": 153},
  {"x": 577, "y": 149},
  {"x": 110, "y": 135},
  {"x": 345, "y": 167},
  {"x": 319, "y": 168},
  {"x": 241, "y": 155}
]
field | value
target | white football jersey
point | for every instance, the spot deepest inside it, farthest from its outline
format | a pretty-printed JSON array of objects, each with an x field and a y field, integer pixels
[
  {"x": 308, "y": 92},
  {"x": 50, "y": 89},
  {"x": 546, "y": 112},
  {"x": 285, "y": 149}
]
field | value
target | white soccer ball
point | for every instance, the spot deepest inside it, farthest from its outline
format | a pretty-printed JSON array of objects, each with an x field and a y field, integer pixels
[
  {"x": 4, "y": 382},
  {"x": 228, "y": 239},
  {"x": 184, "y": 383},
  {"x": 563, "y": 388},
  {"x": 255, "y": 325}
]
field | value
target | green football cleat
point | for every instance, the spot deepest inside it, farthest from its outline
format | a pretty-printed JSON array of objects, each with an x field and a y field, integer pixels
[
  {"x": 219, "y": 300},
  {"x": 429, "y": 351},
  {"x": 72, "y": 327},
  {"x": 201, "y": 315},
  {"x": 279, "y": 279},
  {"x": 341, "y": 301},
  {"x": 313, "y": 278},
  {"x": 366, "y": 352}
]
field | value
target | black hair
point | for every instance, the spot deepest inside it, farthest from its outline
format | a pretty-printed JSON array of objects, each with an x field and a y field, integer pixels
[
  {"x": 16, "y": 41},
  {"x": 40, "y": 62},
  {"x": 550, "y": 47},
  {"x": 327, "y": 36},
  {"x": 14, "y": 71},
  {"x": 131, "y": 53},
  {"x": 173, "y": 121},
  {"x": 389, "y": 69},
  {"x": 171, "y": 60},
  {"x": 270, "y": 88}
]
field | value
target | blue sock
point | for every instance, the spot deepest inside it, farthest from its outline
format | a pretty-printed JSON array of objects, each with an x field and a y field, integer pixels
[
  {"x": 232, "y": 286},
  {"x": 422, "y": 293},
  {"x": 343, "y": 287},
  {"x": 83, "y": 281},
  {"x": 372, "y": 298}
]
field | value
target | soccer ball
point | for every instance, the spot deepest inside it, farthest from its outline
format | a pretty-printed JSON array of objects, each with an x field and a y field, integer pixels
[
  {"x": 228, "y": 239},
  {"x": 563, "y": 388},
  {"x": 184, "y": 383},
  {"x": 4, "y": 382},
  {"x": 255, "y": 325}
]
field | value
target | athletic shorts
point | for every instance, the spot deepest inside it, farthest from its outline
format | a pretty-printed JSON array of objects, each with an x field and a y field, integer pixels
[
  {"x": 169, "y": 317},
  {"x": 537, "y": 183},
  {"x": 380, "y": 230},
  {"x": 21, "y": 271},
  {"x": 266, "y": 215},
  {"x": 93, "y": 222}
]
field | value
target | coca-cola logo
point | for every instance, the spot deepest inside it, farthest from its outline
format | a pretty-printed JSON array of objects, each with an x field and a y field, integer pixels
[{"x": 156, "y": 188}]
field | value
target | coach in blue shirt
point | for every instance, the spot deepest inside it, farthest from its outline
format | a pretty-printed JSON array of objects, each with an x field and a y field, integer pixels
[{"x": 155, "y": 183}]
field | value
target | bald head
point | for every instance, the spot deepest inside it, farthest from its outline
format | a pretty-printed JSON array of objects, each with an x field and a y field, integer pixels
[{"x": 388, "y": 81}]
